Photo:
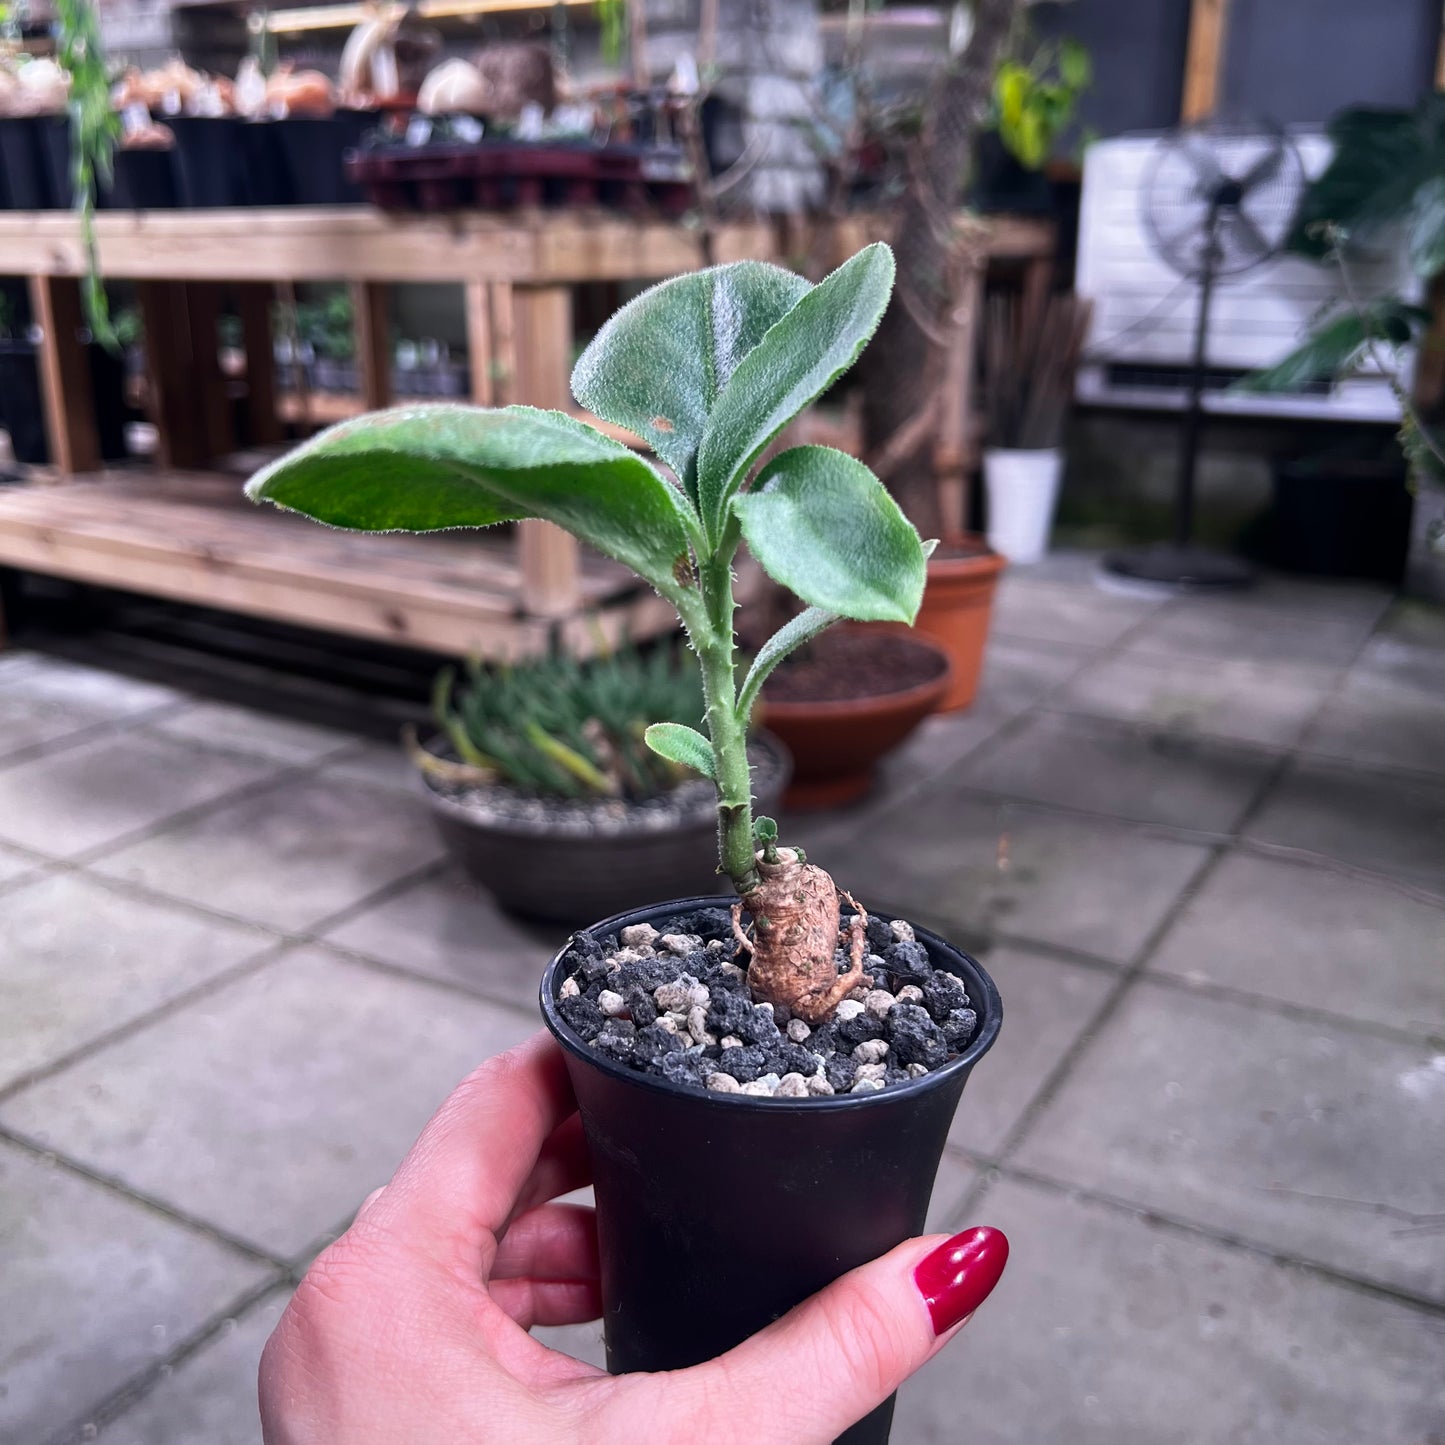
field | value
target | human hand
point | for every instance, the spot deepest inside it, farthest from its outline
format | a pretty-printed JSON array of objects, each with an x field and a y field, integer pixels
[{"x": 411, "y": 1329}]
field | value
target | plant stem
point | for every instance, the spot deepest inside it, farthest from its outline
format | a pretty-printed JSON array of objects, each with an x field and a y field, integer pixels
[{"x": 726, "y": 726}]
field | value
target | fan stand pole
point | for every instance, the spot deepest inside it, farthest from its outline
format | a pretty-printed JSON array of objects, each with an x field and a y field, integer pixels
[{"x": 1183, "y": 567}]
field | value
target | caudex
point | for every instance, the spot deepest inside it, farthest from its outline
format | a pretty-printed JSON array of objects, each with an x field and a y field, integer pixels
[{"x": 708, "y": 369}]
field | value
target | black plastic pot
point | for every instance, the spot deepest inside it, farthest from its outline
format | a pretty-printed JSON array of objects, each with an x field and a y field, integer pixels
[
  {"x": 1339, "y": 516},
  {"x": 210, "y": 161},
  {"x": 1002, "y": 184},
  {"x": 53, "y": 134},
  {"x": 27, "y": 176},
  {"x": 717, "y": 1213},
  {"x": 313, "y": 152},
  {"x": 20, "y": 408},
  {"x": 145, "y": 180},
  {"x": 268, "y": 182}
]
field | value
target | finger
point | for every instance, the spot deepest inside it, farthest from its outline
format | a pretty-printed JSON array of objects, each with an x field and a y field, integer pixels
[
  {"x": 826, "y": 1364},
  {"x": 549, "y": 1301},
  {"x": 562, "y": 1166},
  {"x": 557, "y": 1241},
  {"x": 457, "y": 1185}
]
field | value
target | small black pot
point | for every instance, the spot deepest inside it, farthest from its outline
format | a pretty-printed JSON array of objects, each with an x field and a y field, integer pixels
[
  {"x": 717, "y": 1213},
  {"x": 268, "y": 182},
  {"x": 20, "y": 408},
  {"x": 53, "y": 133},
  {"x": 210, "y": 161},
  {"x": 1002, "y": 184},
  {"x": 313, "y": 152},
  {"x": 22, "y": 157},
  {"x": 145, "y": 180},
  {"x": 1341, "y": 516}
]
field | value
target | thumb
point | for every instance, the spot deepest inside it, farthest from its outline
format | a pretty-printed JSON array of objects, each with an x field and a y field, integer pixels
[{"x": 827, "y": 1363}]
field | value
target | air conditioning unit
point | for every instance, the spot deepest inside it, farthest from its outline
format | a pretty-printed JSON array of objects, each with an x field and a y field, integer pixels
[{"x": 1141, "y": 335}]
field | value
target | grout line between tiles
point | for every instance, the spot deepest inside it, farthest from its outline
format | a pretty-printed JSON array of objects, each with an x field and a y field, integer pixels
[{"x": 90, "y": 733}]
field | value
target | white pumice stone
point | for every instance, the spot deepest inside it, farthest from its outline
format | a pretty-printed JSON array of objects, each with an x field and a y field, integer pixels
[
  {"x": 763, "y": 1088},
  {"x": 697, "y": 1026},
  {"x": 858, "y": 994},
  {"x": 797, "y": 1029},
  {"x": 871, "y": 1051},
  {"x": 878, "y": 1002},
  {"x": 636, "y": 935},
  {"x": 910, "y": 993},
  {"x": 732, "y": 971},
  {"x": 850, "y": 1008},
  {"x": 669, "y": 1023},
  {"x": 715, "y": 945},
  {"x": 902, "y": 931},
  {"x": 678, "y": 996},
  {"x": 569, "y": 989},
  {"x": 876, "y": 1072},
  {"x": 699, "y": 995},
  {"x": 792, "y": 1086},
  {"x": 917, "y": 1071},
  {"x": 613, "y": 1005},
  {"x": 722, "y": 1083},
  {"x": 874, "y": 964},
  {"x": 730, "y": 1041},
  {"x": 677, "y": 1016},
  {"x": 866, "y": 1086},
  {"x": 819, "y": 1084},
  {"x": 679, "y": 943}
]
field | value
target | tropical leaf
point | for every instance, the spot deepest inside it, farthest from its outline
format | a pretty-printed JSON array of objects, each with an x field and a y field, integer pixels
[
  {"x": 1337, "y": 345},
  {"x": 680, "y": 744}
]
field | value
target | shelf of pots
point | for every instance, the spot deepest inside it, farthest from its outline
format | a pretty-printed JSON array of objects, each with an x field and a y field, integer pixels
[{"x": 766, "y": 1085}]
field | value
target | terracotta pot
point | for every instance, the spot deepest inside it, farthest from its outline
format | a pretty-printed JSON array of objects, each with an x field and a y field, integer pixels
[
  {"x": 957, "y": 605},
  {"x": 836, "y": 745}
]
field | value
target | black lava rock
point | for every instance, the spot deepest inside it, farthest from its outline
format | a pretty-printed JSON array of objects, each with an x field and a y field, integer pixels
[
  {"x": 618, "y": 1038},
  {"x": 840, "y": 1070},
  {"x": 653, "y": 1044},
  {"x": 760, "y": 1027},
  {"x": 728, "y": 1013},
  {"x": 895, "y": 1075},
  {"x": 583, "y": 1015},
  {"x": 641, "y": 1006},
  {"x": 910, "y": 959},
  {"x": 913, "y": 1037},
  {"x": 744, "y": 1064},
  {"x": 797, "y": 1059},
  {"x": 958, "y": 1027},
  {"x": 718, "y": 981},
  {"x": 859, "y": 1028},
  {"x": 824, "y": 1040},
  {"x": 686, "y": 1066},
  {"x": 880, "y": 936},
  {"x": 697, "y": 963},
  {"x": 942, "y": 993},
  {"x": 646, "y": 974},
  {"x": 707, "y": 923}
]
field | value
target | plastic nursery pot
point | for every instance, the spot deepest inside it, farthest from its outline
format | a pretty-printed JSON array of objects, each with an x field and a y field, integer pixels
[
  {"x": 210, "y": 161},
  {"x": 145, "y": 180},
  {"x": 313, "y": 151},
  {"x": 23, "y": 160},
  {"x": 53, "y": 135},
  {"x": 717, "y": 1213},
  {"x": 957, "y": 607}
]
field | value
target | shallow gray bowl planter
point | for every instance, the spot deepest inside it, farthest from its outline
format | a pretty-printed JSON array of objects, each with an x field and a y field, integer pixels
[{"x": 574, "y": 862}]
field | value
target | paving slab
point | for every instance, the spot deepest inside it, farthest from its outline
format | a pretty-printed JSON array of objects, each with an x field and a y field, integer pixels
[
  {"x": 289, "y": 856},
  {"x": 973, "y": 867},
  {"x": 1047, "y": 1004},
  {"x": 449, "y": 928},
  {"x": 98, "y": 793},
  {"x": 384, "y": 765},
  {"x": 1382, "y": 822},
  {"x": 15, "y": 864},
  {"x": 80, "y": 959},
  {"x": 1108, "y": 1330},
  {"x": 1408, "y": 647},
  {"x": 1065, "y": 613},
  {"x": 1323, "y": 1143},
  {"x": 1249, "y": 702},
  {"x": 1376, "y": 721},
  {"x": 271, "y": 1107},
  {"x": 1123, "y": 771},
  {"x": 93, "y": 1289},
  {"x": 244, "y": 730},
  {"x": 210, "y": 1398},
  {"x": 46, "y": 700},
  {"x": 1314, "y": 937}
]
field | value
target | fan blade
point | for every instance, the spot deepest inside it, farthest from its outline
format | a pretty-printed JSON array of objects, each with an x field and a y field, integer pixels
[
  {"x": 1206, "y": 168},
  {"x": 1253, "y": 237},
  {"x": 1264, "y": 169}
]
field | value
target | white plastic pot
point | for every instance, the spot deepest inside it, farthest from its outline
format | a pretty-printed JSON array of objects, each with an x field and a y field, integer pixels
[{"x": 1023, "y": 487}]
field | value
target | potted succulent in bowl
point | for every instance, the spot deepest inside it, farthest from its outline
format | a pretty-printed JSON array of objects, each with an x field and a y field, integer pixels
[
  {"x": 765, "y": 1085},
  {"x": 544, "y": 787}
]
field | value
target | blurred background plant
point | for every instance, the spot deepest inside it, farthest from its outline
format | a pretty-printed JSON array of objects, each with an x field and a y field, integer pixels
[
  {"x": 1035, "y": 99},
  {"x": 564, "y": 728}
]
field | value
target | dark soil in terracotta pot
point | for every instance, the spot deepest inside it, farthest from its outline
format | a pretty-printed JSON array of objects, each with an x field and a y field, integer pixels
[{"x": 843, "y": 666}]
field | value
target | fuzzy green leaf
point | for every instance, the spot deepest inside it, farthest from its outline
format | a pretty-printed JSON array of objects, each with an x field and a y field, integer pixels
[
  {"x": 788, "y": 638},
  {"x": 425, "y": 468},
  {"x": 660, "y": 364},
  {"x": 792, "y": 366},
  {"x": 680, "y": 744},
  {"x": 1336, "y": 345},
  {"x": 823, "y": 525}
]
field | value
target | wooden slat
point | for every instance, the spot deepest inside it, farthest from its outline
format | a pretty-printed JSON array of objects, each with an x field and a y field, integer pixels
[
  {"x": 65, "y": 375},
  {"x": 479, "y": 340},
  {"x": 213, "y": 404},
  {"x": 262, "y": 421},
  {"x": 170, "y": 375},
  {"x": 373, "y": 343},
  {"x": 504, "y": 349},
  {"x": 1204, "y": 58}
]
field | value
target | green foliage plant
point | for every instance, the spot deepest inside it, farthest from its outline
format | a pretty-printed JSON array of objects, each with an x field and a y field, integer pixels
[
  {"x": 708, "y": 369},
  {"x": 1035, "y": 101}
]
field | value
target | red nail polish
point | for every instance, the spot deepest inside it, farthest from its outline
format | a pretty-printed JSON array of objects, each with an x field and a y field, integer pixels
[{"x": 960, "y": 1274}]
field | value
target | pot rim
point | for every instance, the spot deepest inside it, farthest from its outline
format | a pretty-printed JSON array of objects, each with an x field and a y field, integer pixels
[
  {"x": 988, "y": 1004},
  {"x": 904, "y": 699},
  {"x": 977, "y": 566}
]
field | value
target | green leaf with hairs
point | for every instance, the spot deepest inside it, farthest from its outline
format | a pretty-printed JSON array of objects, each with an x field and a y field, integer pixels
[
  {"x": 680, "y": 744},
  {"x": 792, "y": 366},
  {"x": 425, "y": 468},
  {"x": 824, "y": 526},
  {"x": 788, "y": 638},
  {"x": 660, "y": 364}
]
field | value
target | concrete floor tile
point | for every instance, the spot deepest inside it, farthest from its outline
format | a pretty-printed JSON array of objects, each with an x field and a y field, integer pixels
[
  {"x": 15, "y": 864},
  {"x": 81, "y": 959},
  {"x": 1123, "y": 771},
  {"x": 1322, "y": 1143},
  {"x": 1047, "y": 1005},
  {"x": 1108, "y": 1330},
  {"x": 210, "y": 1399},
  {"x": 1065, "y": 613},
  {"x": 99, "y": 792},
  {"x": 244, "y": 730},
  {"x": 447, "y": 927},
  {"x": 93, "y": 1289},
  {"x": 1315, "y": 937},
  {"x": 289, "y": 856},
  {"x": 48, "y": 700},
  {"x": 1375, "y": 721},
  {"x": 973, "y": 867},
  {"x": 1249, "y": 702},
  {"x": 1385, "y": 823},
  {"x": 271, "y": 1107},
  {"x": 384, "y": 765},
  {"x": 955, "y": 1178},
  {"x": 1408, "y": 647}
]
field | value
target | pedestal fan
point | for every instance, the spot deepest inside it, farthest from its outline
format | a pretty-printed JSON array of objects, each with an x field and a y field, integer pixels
[{"x": 1218, "y": 199}]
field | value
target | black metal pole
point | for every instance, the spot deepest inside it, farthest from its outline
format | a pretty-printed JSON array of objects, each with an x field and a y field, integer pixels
[{"x": 1194, "y": 409}]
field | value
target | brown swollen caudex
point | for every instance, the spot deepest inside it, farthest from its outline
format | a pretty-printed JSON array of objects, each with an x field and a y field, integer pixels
[{"x": 707, "y": 369}]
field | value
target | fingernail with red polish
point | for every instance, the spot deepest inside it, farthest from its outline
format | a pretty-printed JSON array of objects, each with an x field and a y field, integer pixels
[{"x": 960, "y": 1274}]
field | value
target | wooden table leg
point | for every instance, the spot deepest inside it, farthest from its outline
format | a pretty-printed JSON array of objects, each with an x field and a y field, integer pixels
[
  {"x": 263, "y": 426},
  {"x": 542, "y": 337},
  {"x": 479, "y": 342},
  {"x": 217, "y": 425},
  {"x": 954, "y": 447},
  {"x": 69, "y": 399},
  {"x": 373, "y": 343},
  {"x": 174, "y": 398},
  {"x": 504, "y": 345}
]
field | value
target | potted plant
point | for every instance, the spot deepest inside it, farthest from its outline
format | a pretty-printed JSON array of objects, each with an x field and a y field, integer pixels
[
  {"x": 543, "y": 786},
  {"x": 1031, "y": 352},
  {"x": 765, "y": 1088},
  {"x": 328, "y": 328}
]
